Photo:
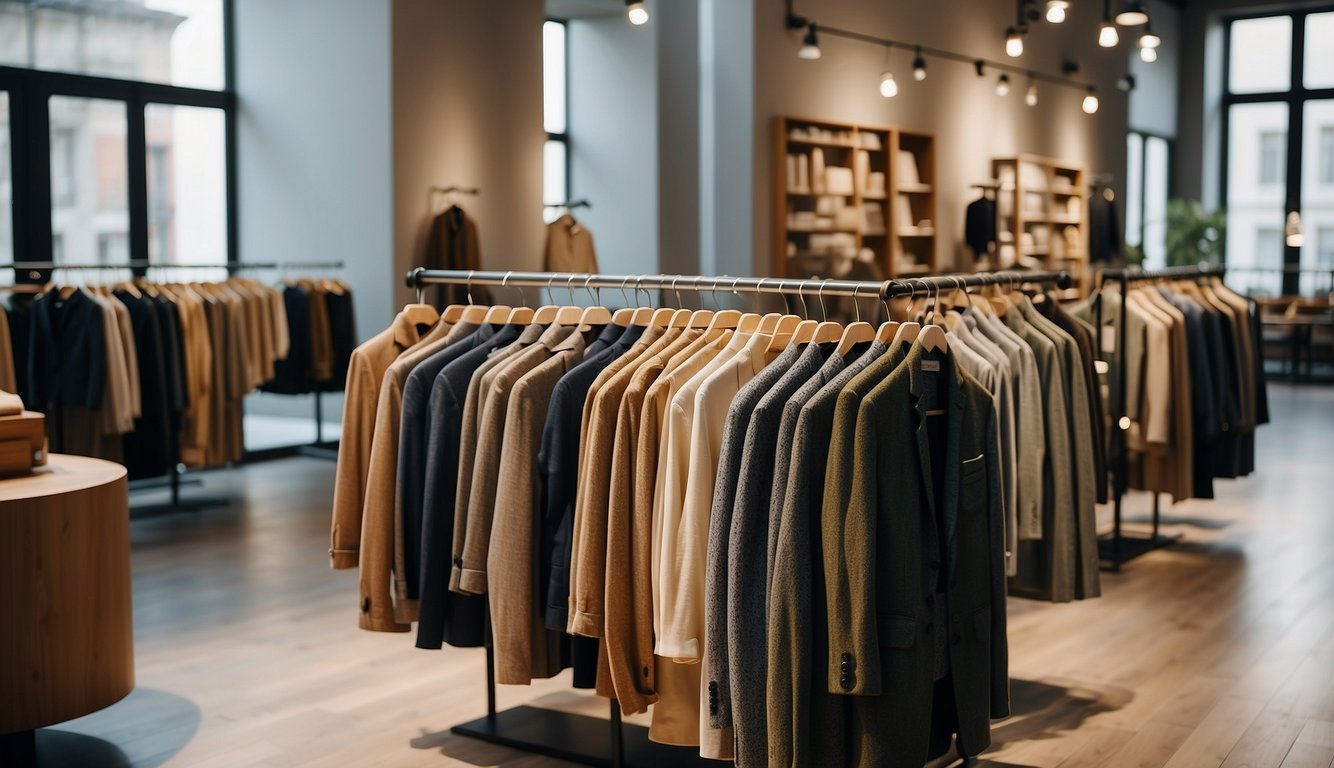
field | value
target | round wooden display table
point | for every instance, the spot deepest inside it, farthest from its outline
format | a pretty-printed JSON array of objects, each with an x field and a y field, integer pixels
[{"x": 66, "y": 629}]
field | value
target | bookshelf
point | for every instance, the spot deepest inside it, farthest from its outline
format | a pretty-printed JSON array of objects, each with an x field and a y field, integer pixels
[
  {"x": 852, "y": 191},
  {"x": 1042, "y": 217}
]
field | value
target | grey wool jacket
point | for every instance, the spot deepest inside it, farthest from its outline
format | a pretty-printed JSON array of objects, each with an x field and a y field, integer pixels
[
  {"x": 715, "y": 675},
  {"x": 747, "y": 563}
]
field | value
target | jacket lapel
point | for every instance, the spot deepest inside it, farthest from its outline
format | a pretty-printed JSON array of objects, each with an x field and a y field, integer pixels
[
  {"x": 954, "y": 435},
  {"x": 917, "y": 385}
]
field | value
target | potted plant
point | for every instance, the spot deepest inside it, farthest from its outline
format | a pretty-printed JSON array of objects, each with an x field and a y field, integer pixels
[{"x": 1193, "y": 234}]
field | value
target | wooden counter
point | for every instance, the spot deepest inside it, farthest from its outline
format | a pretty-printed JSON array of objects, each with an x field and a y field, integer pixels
[{"x": 66, "y": 629}]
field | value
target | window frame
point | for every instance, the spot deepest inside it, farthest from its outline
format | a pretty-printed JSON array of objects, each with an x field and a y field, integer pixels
[
  {"x": 1295, "y": 97},
  {"x": 563, "y": 137},
  {"x": 1143, "y": 191},
  {"x": 30, "y": 91}
]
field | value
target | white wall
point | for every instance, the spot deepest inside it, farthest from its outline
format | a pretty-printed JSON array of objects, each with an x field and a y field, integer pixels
[
  {"x": 971, "y": 124},
  {"x": 467, "y": 110},
  {"x": 1153, "y": 103},
  {"x": 313, "y": 140},
  {"x": 614, "y": 134}
]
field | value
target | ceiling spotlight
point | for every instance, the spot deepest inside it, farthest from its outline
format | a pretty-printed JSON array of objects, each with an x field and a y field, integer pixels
[
  {"x": 1056, "y": 10},
  {"x": 981, "y": 67},
  {"x": 810, "y": 44},
  {"x": 1132, "y": 15},
  {"x": 888, "y": 88},
  {"x": 1148, "y": 55},
  {"x": 919, "y": 66},
  {"x": 1014, "y": 43},
  {"x": 1125, "y": 83},
  {"x": 1090, "y": 101},
  {"x": 636, "y": 11},
  {"x": 1031, "y": 95},
  {"x": 1107, "y": 36},
  {"x": 1003, "y": 85}
]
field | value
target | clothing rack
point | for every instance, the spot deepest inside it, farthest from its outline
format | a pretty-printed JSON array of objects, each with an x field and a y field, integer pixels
[
  {"x": 40, "y": 271},
  {"x": 1120, "y": 546},
  {"x": 611, "y": 744}
]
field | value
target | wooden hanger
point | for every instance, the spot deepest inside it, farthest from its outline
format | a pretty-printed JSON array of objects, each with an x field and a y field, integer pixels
[
  {"x": 931, "y": 336},
  {"x": 421, "y": 314},
  {"x": 854, "y": 333}
]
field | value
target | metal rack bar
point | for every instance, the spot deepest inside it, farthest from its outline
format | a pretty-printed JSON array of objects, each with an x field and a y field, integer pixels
[
  {"x": 235, "y": 265},
  {"x": 611, "y": 743},
  {"x": 1120, "y": 546},
  {"x": 420, "y": 278}
]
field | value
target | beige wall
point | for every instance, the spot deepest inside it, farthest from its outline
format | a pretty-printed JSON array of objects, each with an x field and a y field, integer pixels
[
  {"x": 467, "y": 110},
  {"x": 970, "y": 122}
]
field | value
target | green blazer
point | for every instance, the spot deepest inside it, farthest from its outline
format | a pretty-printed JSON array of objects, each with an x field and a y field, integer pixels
[{"x": 914, "y": 579}]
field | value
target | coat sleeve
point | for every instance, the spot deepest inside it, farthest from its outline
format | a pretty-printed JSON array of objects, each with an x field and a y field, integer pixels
[{"x": 849, "y": 532}]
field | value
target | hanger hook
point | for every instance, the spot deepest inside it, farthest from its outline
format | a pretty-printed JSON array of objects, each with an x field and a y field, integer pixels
[
  {"x": 856, "y": 306},
  {"x": 468, "y": 286},
  {"x": 569, "y": 287},
  {"x": 597, "y": 296},
  {"x": 676, "y": 290},
  {"x": 421, "y": 289},
  {"x": 624, "y": 295}
]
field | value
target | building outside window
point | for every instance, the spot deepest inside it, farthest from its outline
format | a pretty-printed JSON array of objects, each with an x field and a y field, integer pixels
[{"x": 1278, "y": 151}]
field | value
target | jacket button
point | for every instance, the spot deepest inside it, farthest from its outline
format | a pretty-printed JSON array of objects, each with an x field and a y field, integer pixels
[
  {"x": 955, "y": 638},
  {"x": 365, "y": 605},
  {"x": 846, "y": 682},
  {"x": 645, "y": 671},
  {"x": 458, "y": 561}
]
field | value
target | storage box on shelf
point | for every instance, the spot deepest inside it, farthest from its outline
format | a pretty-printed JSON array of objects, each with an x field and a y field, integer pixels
[
  {"x": 1041, "y": 217},
  {"x": 847, "y": 191}
]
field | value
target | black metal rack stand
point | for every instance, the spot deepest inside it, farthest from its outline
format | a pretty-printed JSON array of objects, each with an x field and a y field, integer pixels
[
  {"x": 1120, "y": 546},
  {"x": 612, "y": 743}
]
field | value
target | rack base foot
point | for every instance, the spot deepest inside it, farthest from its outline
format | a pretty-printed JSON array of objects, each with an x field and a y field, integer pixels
[
  {"x": 1132, "y": 546},
  {"x": 577, "y": 739}
]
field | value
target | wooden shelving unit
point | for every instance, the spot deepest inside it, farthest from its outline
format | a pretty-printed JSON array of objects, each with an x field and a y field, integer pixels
[
  {"x": 881, "y": 209},
  {"x": 1042, "y": 217}
]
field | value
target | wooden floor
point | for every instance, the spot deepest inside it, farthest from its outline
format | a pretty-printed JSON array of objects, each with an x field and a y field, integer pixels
[{"x": 1217, "y": 652}]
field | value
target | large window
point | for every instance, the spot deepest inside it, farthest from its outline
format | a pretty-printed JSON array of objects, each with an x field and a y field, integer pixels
[
  {"x": 1148, "y": 187},
  {"x": 114, "y": 125},
  {"x": 1278, "y": 149},
  {"x": 556, "y": 152}
]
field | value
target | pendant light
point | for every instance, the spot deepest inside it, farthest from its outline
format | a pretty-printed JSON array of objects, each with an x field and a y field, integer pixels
[
  {"x": 1107, "y": 35},
  {"x": 1031, "y": 95},
  {"x": 888, "y": 88},
  {"x": 637, "y": 13},
  {"x": 1014, "y": 43},
  {"x": 1149, "y": 39},
  {"x": 1132, "y": 15},
  {"x": 1148, "y": 55},
  {"x": 919, "y": 66},
  {"x": 1090, "y": 101},
  {"x": 1292, "y": 231},
  {"x": 1003, "y": 85},
  {"x": 1056, "y": 10},
  {"x": 810, "y": 44}
]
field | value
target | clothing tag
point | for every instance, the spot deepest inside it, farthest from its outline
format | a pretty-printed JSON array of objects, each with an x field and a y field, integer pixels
[
  {"x": 931, "y": 366},
  {"x": 1109, "y": 338}
]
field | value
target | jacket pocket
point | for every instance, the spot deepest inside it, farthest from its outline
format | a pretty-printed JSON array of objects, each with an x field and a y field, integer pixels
[
  {"x": 973, "y": 482},
  {"x": 898, "y": 631},
  {"x": 982, "y": 623}
]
